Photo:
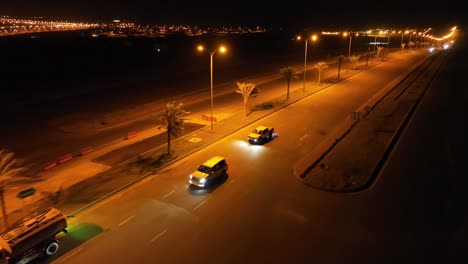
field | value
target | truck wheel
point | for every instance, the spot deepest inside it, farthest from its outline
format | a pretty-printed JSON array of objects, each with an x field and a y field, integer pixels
[{"x": 51, "y": 248}]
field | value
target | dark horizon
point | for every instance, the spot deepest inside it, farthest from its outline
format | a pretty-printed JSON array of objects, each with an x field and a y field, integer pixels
[{"x": 242, "y": 14}]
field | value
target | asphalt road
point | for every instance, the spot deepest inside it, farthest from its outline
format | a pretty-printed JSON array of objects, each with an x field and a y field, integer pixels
[{"x": 261, "y": 212}]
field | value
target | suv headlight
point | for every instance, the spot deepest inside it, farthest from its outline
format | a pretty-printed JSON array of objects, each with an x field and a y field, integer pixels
[{"x": 202, "y": 180}]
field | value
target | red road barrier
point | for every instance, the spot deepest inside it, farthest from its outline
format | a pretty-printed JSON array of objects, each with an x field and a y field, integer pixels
[
  {"x": 65, "y": 158},
  {"x": 49, "y": 165},
  {"x": 131, "y": 135},
  {"x": 86, "y": 150},
  {"x": 208, "y": 118}
]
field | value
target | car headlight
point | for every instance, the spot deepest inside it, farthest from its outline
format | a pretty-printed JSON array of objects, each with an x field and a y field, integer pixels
[
  {"x": 191, "y": 176},
  {"x": 202, "y": 180}
]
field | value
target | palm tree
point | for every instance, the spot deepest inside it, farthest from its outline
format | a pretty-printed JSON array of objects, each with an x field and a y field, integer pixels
[
  {"x": 289, "y": 73},
  {"x": 173, "y": 121},
  {"x": 320, "y": 66},
  {"x": 9, "y": 168},
  {"x": 246, "y": 90},
  {"x": 353, "y": 60},
  {"x": 379, "y": 50}
]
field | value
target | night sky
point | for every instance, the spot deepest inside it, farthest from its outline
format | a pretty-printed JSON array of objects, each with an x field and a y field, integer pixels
[{"x": 241, "y": 12}]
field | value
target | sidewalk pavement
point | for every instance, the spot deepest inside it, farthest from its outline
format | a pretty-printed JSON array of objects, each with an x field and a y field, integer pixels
[{"x": 85, "y": 167}]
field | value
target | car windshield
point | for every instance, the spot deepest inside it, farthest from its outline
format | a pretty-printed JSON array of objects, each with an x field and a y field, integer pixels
[
  {"x": 255, "y": 131},
  {"x": 204, "y": 169}
]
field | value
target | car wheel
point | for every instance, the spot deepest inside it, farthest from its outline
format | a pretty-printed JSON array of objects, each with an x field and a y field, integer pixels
[{"x": 51, "y": 248}]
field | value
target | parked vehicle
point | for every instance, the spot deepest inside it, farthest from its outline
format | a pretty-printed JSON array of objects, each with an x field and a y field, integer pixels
[{"x": 33, "y": 238}]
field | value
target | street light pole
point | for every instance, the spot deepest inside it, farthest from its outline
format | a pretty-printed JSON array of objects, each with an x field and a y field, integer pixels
[
  {"x": 349, "y": 47},
  {"x": 313, "y": 38},
  {"x": 375, "y": 42},
  {"x": 388, "y": 39},
  {"x": 305, "y": 65},
  {"x": 211, "y": 87},
  {"x": 222, "y": 49}
]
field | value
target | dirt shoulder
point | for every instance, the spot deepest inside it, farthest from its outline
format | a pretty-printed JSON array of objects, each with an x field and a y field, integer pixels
[{"x": 349, "y": 159}]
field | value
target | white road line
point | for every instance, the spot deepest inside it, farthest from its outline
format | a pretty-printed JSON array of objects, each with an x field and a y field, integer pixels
[
  {"x": 168, "y": 194},
  {"x": 126, "y": 220},
  {"x": 200, "y": 204},
  {"x": 159, "y": 235},
  {"x": 66, "y": 257},
  {"x": 303, "y": 137},
  {"x": 147, "y": 179}
]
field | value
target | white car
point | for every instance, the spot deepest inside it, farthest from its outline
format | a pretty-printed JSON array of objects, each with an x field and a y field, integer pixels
[{"x": 209, "y": 172}]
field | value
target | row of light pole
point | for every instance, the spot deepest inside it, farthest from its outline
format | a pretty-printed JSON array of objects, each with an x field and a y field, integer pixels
[{"x": 313, "y": 38}]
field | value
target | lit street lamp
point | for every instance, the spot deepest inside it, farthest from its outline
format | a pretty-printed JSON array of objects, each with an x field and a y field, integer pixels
[
  {"x": 221, "y": 49},
  {"x": 313, "y": 38}
]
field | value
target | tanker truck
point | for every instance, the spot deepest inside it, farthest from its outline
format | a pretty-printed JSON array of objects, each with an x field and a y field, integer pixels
[{"x": 33, "y": 238}]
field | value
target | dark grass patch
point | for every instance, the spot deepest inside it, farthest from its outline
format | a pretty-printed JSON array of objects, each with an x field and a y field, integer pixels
[{"x": 125, "y": 153}]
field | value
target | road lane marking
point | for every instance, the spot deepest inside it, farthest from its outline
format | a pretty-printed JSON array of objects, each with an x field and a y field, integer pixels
[
  {"x": 68, "y": 256},
  {"x": 158, "y": 236},
  {"x": 147, "y": 179},
  {"x": 304, "y": 137},
  {"x": 200, "y": 204},
  {"x": 126, "y": 220},
  {"x": 168, "y": 194}
]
